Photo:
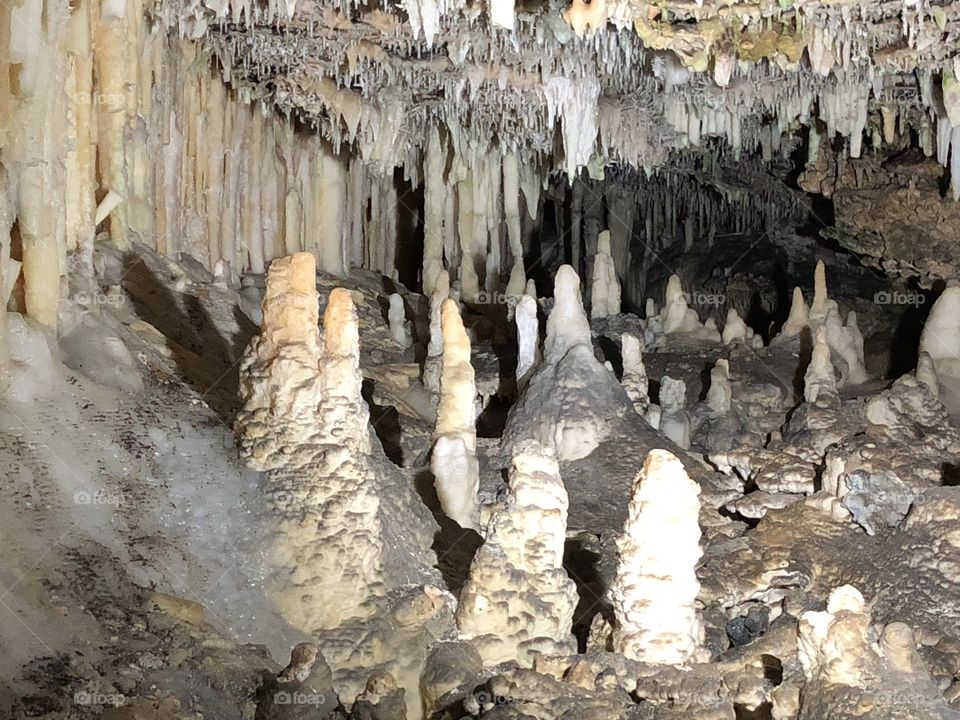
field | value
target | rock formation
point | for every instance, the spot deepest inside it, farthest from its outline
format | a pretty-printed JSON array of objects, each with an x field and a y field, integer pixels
[
  {"x": 634, "y": 379},
  {"x": 518, "y": 601},
  {"x": 399, "y": 326},
  {"x": 655, "y": 590},
  {"x": 454, "y": 462},
  {"x": 605, "y": 289}
]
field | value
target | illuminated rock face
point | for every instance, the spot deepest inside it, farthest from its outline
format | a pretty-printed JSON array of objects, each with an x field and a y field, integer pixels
[
  {"x": 305, "y": 422},
  {"x": 941, "y": 342},
  {"x": 655, "y": 590},
  {"x": 518, "y": 601}
]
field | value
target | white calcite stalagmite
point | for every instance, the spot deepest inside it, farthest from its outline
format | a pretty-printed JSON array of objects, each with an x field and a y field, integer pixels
[
  {"x": 605, "y": 289},
  {"x": 454, "y": 460},
  {"x": 567, "y": 325},
  {"x": 528, "y": 338},
  {"x": 634, "y": 379},
  {"x": 676, "y": 312},
  {"x": 518, "y": 601},
  {"x": 655, "y": 590},
  {"x": 941, "y": 342},
  {"x": 820, "y": 381},
  {"x": 734, "y": 329},
  {"x": 397, "y": 322}
]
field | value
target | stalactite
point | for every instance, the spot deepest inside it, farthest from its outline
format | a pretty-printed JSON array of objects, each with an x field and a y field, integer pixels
[{"x": 434, "y": 201}]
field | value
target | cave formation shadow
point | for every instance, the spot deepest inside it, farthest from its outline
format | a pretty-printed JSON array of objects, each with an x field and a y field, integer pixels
[
  {"x": 385, "y": 421},
  {"x": 905, "y": 342},
  {"x": 453, "y": 545},
  {"x": 208, "y": 361}
]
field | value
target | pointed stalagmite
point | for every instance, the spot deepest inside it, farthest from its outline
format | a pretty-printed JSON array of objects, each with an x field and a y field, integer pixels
[
  {"x": 734, "y": 328},
  {"x": 567, "y": 325},
  {"x": 799, "y": 317},
  {"x": 454, "y": 461},
  {"x": 518, "y": 601},
  {"x": 655, "y": 589}
]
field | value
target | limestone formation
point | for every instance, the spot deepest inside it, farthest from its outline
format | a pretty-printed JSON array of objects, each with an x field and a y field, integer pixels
[
  {"x": 454, "y": 462},
  {"x": 655, "y": 590},
  {"x": 433, "y": 362},
  {"x": 941, "y": 342},
  {"x": 719, "y": 395},
  {"x": 399, "y": 326},
  {"x": 634, "y": 379},
  {"x": 518, "y": 601},
  {"x": 605, "y": 289},
  {"x": 674, "y": 420},
  {"x": 820, "y": 381},
  {"x": 528, "y": 338}
]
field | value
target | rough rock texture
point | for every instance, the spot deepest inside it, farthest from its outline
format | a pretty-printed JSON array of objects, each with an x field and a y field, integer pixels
[
  {"x": 852, "y": 675},
  {"x": 518, "y": 601},
  {"x": 655, "y": 590}
]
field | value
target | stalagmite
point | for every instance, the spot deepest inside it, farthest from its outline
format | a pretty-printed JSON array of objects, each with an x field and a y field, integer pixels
[
  {"x": 634, "y": 378},
  {"x": 399, "y": 325},
  {"x": 605, "y": 290},
  {"x": 279, "y": 376},
  {"x": 511, "y": 215},
  {"x": 655, "y": 590},
  {"x": 518, "y": 602},
  {"x": 927, "y": 374},
  {"x": 433, "y": 362},
  {"x": 454, "y": 462},
  {"x": 567, "y": 325},
  {"x": 675, "y": 309},
  {"x": 819, "y": 381},
  {"x": 734, "y": 329},
  {"x": 528, "y": 337},
  {"x": 674, "y": 421},
  {"x": 822, "y": 304},
  {"x": 434, "y": 199},
  {"x": 940, "y": 340},
  {"x": 799, "y": 317},
  {"x": 719, "y": 394}
]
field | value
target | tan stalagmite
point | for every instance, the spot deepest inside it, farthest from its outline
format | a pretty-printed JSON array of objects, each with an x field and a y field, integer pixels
[
  {"x": 518, "y": 601},
  {"x": 819, "y": 381},
  {"x": 821, "y": 299},
  {"x": 280, "y": 384},
  {"x": 734, "y": 328},
  {"x": 305, "y": 422},
  {"x": 655, "y": 590},
  {"x": 344, "y": 411},
  {"x": 454, "y": 462},
  {"x": 799, "y": 317},
  {"x": 605, "y": 289}
]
